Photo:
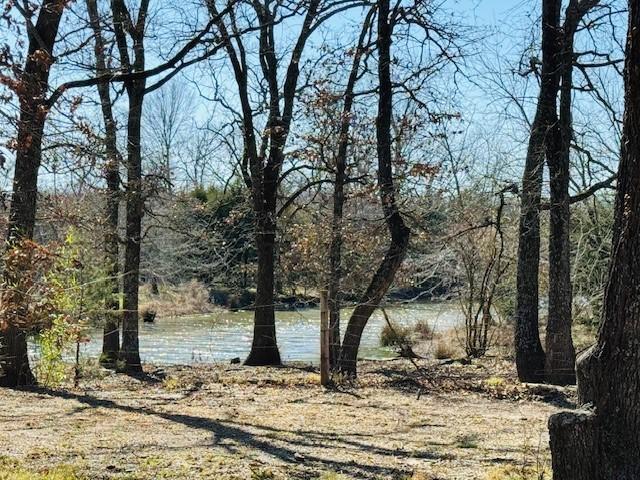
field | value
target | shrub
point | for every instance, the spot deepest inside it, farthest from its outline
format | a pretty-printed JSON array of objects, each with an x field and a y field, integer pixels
[
  {"x": 423, "y": 330},
  {"x": 495, "y": 382},
  {"x": 395, "y": 336},
  {"x": 443, "y": 351}
]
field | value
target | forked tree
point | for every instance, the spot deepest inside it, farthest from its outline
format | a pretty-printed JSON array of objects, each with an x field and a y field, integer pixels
[
  {"x": 264, "y": 152},
  {"x": 550, "y": 139}
]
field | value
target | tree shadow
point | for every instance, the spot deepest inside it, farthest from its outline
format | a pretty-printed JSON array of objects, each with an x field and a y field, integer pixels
[{"x": 282, "y": 445}]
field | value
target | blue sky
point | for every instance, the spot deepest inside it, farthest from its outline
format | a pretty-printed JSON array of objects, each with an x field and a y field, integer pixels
[{"x": 506, "y": 27}]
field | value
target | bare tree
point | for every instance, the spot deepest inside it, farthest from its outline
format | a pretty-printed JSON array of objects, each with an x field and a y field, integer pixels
[
  {"x": 398, "y": 231},
  {"x": 111, "y": 337},
  {"x": 167, "y": 116},
  {"x": 263, "y": 159},
  {"x": 340, "y": 165},
  {"x": 125, "y": 27}
]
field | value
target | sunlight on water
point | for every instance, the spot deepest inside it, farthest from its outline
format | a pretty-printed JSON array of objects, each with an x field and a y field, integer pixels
[{"x": 224, "y": 335}]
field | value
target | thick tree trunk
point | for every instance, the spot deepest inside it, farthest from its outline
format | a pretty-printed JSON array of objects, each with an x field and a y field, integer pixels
[
  {"x": 530, "y": 358},
  {"x": 264, "y": 349},
  {"x": 398, "y": 231},
  {"x": 605, "y": 445},
  {"x": 111, "y": 336},
  {"x": 130, "y": 350},
  {"x": 13, "y": 351},
  {"x": 22, "y": 214},
  {"x": 15, "y": 359}
]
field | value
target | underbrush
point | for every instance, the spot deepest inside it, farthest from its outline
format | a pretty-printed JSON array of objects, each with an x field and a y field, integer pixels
[{"x": 173, "y": 301}]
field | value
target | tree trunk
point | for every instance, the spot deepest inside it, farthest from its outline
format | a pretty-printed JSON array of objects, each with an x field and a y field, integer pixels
[
  {"x": 530, "y": 358},
  {"x": 335, "y": 250},
  {"x": 605, "y": 445},
  {"x": 335, "y": 267},
  {"x": 22, "y": 214},
  {"x": 264, "y": 348},
  {"x": 377, "y": 288},
  {"x": 398, "y": 231},
  {"x": 15, "y": 359},
  {"x": 129, "y": 355},
  {"x": 111, "y": 336},
  {"x": 130, "y": 349},
  {"x": 560, "y": 352}
]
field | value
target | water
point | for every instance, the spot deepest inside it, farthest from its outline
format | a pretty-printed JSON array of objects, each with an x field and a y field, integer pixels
[{"x": 225, "y": 335}]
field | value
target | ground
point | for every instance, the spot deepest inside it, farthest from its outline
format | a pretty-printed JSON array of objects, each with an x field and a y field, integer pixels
[{"x": 445, "y": 421}]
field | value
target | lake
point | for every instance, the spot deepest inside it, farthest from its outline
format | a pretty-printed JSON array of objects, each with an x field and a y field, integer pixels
[{"x": 224, "y": 335}]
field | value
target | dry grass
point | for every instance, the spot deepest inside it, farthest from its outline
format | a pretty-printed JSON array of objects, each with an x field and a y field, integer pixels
[
  {"x": 443, "y": 350},
  {"x": 187, "y": 299},
  {"x": 236, "y": 423}
]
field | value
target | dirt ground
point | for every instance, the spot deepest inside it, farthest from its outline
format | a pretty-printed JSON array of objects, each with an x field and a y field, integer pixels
[{"x": 449, "y": 421}]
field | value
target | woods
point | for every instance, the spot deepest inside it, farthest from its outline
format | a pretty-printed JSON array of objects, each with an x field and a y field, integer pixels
[{"x": 183, "y": 182}]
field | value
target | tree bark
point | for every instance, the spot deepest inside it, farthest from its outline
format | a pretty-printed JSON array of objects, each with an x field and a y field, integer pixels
[
  {"x": 335, "y": 249},
  {"x": 111, "y": 335},
  {"x": 560, "y": 352},
  {"x": 129, "y": 355},
  {"x": 530, "y": 358},
  {"x": 264, "y": 348},
  {"x": 130, "y": 349},
  {"x": 608, "y": 447},
  {"x": 398, "y": 231},
  {"x": 22, "y": 214}
]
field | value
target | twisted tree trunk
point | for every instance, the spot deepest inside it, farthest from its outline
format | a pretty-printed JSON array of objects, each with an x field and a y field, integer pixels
[{"x": 398, "y": 231}]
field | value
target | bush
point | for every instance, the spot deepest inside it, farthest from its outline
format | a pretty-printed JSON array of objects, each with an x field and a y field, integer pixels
[
  {"x": 443, "y": 351},
  {"x": 423, "y": 330},
  {"x": 395, "y": 336}
]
